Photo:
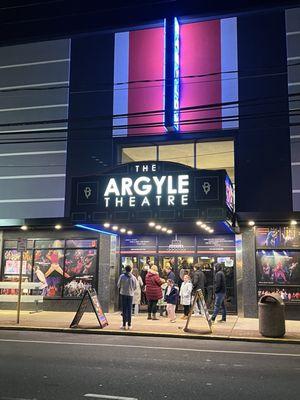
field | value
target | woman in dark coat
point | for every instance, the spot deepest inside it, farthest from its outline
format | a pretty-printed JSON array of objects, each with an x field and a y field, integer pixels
[{"x": 153, "y": 291}]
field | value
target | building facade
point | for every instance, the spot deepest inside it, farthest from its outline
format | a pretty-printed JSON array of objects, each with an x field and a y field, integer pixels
[{"x": 156, "y": 143}]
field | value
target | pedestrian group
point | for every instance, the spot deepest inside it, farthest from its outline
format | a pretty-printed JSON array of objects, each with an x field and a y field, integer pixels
[{"x": 164, "y": 294}]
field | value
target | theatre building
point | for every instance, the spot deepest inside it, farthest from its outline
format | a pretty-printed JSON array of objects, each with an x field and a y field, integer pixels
[{"x": 174, "y": 142}]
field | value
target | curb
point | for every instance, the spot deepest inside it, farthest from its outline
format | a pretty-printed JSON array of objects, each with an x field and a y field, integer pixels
[{"x": 191, "y": 335}]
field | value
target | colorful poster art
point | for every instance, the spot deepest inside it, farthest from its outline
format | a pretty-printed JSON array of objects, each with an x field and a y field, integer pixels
[
  {"x": 268, "y": 237},
  {"x": 288, "y": 294},
  {"x": 13, "y": 260},
  {"x": 80, "y": 271},
  {"x": 80, "y": 262},
  {"x": 278, "y": 267},
  {"x": 285, "y": 237},
  {"x": 48, "y": 269},
  {"x": 290, "y": 237},
  {"x": 78, "y": 285}
]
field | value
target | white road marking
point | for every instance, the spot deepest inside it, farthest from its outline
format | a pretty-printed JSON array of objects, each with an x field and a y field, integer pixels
[
  {"x": 106, "y": 396},
  {"x": 14, "y": 398},
  {"x": 131, "y": 346}
]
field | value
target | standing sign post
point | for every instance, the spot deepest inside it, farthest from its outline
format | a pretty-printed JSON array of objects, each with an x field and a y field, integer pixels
[
  {"x": 21, "y": 247},
  {"x": 199, "y": 298},
  {"x": 90, "y": 296}
]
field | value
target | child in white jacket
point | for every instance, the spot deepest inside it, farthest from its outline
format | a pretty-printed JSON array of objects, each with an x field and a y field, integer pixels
[{"x": 186, "y": 295}]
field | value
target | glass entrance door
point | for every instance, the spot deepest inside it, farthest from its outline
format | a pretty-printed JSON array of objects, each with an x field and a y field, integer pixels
[{"x": 207, "y": 264}]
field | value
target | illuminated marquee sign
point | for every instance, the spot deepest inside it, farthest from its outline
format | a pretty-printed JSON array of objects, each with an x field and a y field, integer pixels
[
  {"x": 147, "y": 191},
  {"x": 142, "y": 190}
]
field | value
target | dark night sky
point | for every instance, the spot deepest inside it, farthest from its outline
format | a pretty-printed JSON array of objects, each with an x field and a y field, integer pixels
[{"x": 22, "y": 21}]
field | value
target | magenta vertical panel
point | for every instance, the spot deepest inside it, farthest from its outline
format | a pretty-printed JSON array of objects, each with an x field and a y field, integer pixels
[
  {"x": 146, "y": 82},
  {"x": 200, "y": 57}
]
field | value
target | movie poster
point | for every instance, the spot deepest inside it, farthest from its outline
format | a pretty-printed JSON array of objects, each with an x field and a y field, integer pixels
[
  {"x": 80, "y": 271},
  {"x": 268, "y": 237},
  {"x": 285, "y": 237},
  {"x": 48, "y": 269},
  {"x": 278, "y": 267}
]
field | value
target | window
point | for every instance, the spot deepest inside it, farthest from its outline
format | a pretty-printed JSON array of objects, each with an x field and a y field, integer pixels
[
  {"x": 203, "y": 155},
  {"x": 216, "y": 155},
  {"x": 63, "y": 271},
  {"x": 146, "y": 153},
  {"x": 179, "y": 153}
]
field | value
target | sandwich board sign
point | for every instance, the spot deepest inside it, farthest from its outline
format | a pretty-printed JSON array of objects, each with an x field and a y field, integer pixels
[
  {"x": 90, "y": 297},
  {"x": 199, "y": 298}
]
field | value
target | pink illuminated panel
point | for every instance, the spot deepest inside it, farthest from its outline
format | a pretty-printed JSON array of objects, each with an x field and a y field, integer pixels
[{"x": 200, "y": 57}]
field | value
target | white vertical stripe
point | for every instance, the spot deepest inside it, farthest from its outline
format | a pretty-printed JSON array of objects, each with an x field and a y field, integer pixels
[
  {"x": 121, "y": 74},
  {"x": 229, "y": 62}
]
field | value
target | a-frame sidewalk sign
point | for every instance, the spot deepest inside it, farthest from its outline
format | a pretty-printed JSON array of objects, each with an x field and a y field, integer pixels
[
  {"x": 200, "y": 299},
  {"x": 90, "y": 296}
]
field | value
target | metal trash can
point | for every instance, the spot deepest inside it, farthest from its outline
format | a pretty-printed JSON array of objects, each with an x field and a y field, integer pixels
[{"x": 271, "y": 315}]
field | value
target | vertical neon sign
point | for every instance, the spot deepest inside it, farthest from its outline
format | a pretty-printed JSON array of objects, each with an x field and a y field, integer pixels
[
  {"x": 176, "y": 73},
  {"x": 172, "y": 74}
]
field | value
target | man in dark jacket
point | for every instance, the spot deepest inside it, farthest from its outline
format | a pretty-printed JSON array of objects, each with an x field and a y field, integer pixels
[
  {"x": 220, "y": 293},
  {"x": 198, "y": 282}
]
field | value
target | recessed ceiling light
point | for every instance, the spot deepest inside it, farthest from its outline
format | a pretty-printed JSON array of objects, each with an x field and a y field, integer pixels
[
  {"x": 199, "y": 223},
  {"x": 164, "y": 229},
  {"x": 293, "y": 222},
  {"x": 251, "y": 223},
  {"x": 24, "y": 227},
  {"x": 106, "y": 225},
  {"x": 57, "y": 226},
  {"x": 115, "y": 228},
  {"x": 129, "y": 232},
  {"x": 152, "y": 224},
  {"x": 169, "y": 231},
  {"x": 122, "y": 230},
  {"x": 158, "y": 227},
  {"x": 204, "y": 226}
]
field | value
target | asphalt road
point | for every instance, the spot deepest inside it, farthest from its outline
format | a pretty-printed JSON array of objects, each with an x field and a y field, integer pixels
[{"x": 42, "y": 366}]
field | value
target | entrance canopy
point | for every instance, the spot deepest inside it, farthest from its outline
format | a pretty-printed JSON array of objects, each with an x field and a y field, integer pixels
[{"x": 167, "y": 194}]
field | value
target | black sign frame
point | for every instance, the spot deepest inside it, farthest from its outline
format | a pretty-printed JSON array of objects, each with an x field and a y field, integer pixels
[
  {"x": 90, "y": 296},
  {"x": 206, "y": 195}
]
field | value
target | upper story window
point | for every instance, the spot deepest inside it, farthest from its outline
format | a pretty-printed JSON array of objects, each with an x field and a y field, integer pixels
[{"x": 201, "y": 155}]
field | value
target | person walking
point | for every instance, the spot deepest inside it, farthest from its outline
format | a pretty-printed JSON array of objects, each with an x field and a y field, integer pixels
[
  {"x": 199, "y": 282},
  {"x": 186, "y": 295},
  {"x": 220, "y": 294},
  {"x": 138, "y": 292},
  {"x": 153, "y": 291},
  {"x": 127, "y": 284}
]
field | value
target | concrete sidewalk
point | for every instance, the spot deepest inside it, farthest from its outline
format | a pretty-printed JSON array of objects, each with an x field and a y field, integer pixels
[{"x": 235, "y": 328}]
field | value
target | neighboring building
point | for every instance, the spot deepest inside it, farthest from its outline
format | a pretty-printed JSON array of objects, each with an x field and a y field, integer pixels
[{"x": 185, "y": 123}]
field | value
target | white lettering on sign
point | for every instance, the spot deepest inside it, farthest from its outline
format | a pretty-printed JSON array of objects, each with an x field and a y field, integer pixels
[
  {"x": 112, "y": 188},
  {"x": 147, "y": 191}
]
